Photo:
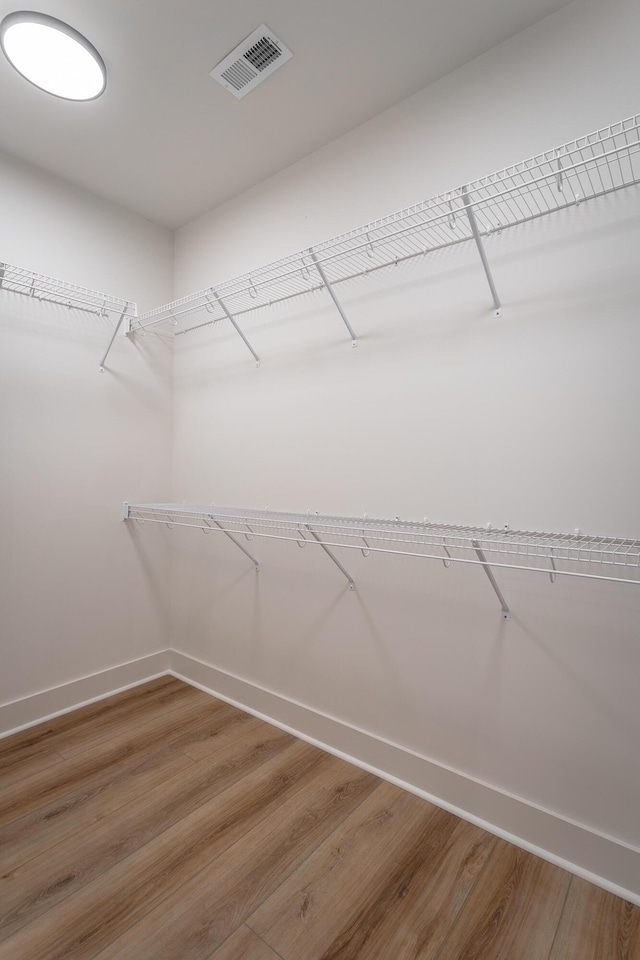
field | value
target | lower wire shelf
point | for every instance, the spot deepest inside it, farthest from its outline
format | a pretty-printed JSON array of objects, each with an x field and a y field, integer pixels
[{"x": 554, "y": 554}]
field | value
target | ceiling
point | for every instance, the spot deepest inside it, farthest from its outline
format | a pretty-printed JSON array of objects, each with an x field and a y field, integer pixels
[{"x": 169, "y": 143}]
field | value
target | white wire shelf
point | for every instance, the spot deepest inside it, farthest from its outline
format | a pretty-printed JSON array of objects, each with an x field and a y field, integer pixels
[
  {"x": 592, "y": 166},
  {"x": 37, "y": 286},
  {"x": 555, "y": 554}
]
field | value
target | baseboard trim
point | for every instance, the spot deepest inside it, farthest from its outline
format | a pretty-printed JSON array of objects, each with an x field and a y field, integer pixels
[
  {"x": 605, "y": 861},
  {"x": 40, "y": 707}
]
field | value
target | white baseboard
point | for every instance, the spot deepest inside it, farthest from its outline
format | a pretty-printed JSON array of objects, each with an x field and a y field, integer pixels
[
  {"x": 606, "y": 861},
  {"x": 19, "y": 714}
]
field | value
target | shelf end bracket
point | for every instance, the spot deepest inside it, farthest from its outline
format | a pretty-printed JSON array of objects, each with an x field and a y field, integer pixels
[
  {"x": 315, "y": 536},
  {"x": 506, "y": 613},
  {"x": 473, "y": 223},
  {"x": 331, "y": 292}
]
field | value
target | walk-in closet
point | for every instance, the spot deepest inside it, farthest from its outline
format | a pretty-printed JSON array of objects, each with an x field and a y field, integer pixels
[{"x": 320, "y": 552}]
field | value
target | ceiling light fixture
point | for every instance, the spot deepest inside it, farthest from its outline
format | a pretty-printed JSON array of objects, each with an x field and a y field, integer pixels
[{"x": 53, "y": 56}]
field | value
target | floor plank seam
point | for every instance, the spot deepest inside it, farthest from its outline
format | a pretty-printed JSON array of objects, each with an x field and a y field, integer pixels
[
  {"x": 223, "y": 942},
  {"x": 83, "y": 788},
  {"x": 564, "y": 904},
  {"x": 266, "y": 942},
  {"x": 18, "y": 778},
  {"x": 31, "y": 736},
  {"x": 473, "y": 886},
  {"x": 140, "y": 727},
  {"x": 237, "y": 735},
  {"x": 308, "y": 857}
]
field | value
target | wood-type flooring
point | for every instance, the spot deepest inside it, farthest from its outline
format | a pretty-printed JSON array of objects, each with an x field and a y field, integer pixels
[{"x": 163, "y": 824}]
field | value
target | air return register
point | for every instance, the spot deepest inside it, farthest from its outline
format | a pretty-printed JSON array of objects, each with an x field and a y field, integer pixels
[{"x": 255, "y": 59}]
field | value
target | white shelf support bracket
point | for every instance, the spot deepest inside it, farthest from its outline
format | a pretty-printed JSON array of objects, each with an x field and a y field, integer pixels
[
  {"x": 113, "y": 337},
  {"x": 230, "y": 317},
  {"x": 315, "y": 536},
  {"x": 331, "y": 292},
  {"x": 473, "y": 223},
  {"x": 238, "y": 545},
  {"x": 506, "y": 613},
  {"x": 125, "y": 511},
  {"x": 2, "y": 269}
]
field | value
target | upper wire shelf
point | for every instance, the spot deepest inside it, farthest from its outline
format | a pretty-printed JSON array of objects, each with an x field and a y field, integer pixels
[
  {"x": 556, "y": 554},
  {"x": 37, "y": 286},
  {"x": 583, "y": 169}
]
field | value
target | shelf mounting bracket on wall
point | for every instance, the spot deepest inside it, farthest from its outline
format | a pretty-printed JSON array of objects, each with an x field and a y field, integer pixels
[
  {"x": 111, "y": 342},
  {"x": 473, "y": 223},
  {"x": 230, "y": 317},
  {"x": 331, "y": 292},
  {"x": 238, "y": 545},
  {"x": 315, "y": 536},
  {"x": 506, "y": 613}
]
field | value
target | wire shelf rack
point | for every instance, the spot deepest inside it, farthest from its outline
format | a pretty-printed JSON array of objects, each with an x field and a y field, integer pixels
[
  {"x": 583, "y": 169},
  {"x": 555, "y": 554},
  {"x": 37, "y": 286}
]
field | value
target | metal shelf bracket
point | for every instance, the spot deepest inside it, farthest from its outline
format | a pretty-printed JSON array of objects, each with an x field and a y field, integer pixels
[
  {"x": 506, "y": 613},
  {"x": 238, "y": 545},
  {"x": 111, "y": 341},
  {"x": 331, "y": 292},
  {"x": 497, "y": 306},
  {"x": 236, "y": 327},
  {"x": 315, "y": 536}
]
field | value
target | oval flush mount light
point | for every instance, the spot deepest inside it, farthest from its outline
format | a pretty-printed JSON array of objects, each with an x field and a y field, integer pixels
[{"x": 53, "y": 56}]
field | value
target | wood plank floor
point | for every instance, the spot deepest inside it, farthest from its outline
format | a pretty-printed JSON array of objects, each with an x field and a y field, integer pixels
[{"x": 162, "y": 824}]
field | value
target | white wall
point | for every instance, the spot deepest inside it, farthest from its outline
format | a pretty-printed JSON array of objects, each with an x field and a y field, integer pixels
[
  {"x": 79, "y": 593},
  {"x": 441, "y": 411}
]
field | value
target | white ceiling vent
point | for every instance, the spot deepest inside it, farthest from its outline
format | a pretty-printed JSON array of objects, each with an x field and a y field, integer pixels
[{"x": 251, "y": 62}]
